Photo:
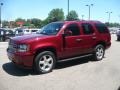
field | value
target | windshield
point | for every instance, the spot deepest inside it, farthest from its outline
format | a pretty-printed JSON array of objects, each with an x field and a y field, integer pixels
[{"x": 51, "y": 29}]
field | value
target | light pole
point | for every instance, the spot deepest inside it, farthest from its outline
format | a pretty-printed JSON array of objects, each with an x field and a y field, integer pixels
[
  {"x": 89, "y": 7},
  {"x": 119, "y": 22},
  {"x": 68, "y": 7},
  {"x": 82, "y": 16},
  {"x": 109, "y": 14},
  {"x": 119, "y": 17},
  {"x": 0, "y": 15}
]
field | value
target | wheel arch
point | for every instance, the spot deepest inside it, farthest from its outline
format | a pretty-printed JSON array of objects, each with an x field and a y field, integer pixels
[
  {"x": 49, "y": 48},
  {"x": 102, "y": 43}
]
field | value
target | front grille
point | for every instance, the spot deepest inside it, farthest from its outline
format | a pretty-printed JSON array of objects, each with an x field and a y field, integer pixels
[{"x": 12, "y": 46}]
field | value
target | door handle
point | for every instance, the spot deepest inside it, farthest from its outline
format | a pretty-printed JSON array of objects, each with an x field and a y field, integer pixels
[
  {"x": 93, "y": 37},
  {"x": 78, "y": 40}
]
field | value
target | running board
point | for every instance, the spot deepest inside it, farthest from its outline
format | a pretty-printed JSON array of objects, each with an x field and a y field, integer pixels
[{"x": 68, "y": 59}]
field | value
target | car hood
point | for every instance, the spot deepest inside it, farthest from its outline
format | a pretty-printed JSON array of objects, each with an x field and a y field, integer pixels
[{"x": 28, "y": 37}]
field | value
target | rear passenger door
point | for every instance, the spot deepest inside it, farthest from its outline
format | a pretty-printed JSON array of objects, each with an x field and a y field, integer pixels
[{"x": 88, "y": 37}]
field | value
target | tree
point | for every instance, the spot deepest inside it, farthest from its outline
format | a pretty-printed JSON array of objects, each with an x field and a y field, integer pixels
[
  {"x": 36, "y": 22},
  {"x": 5, "y": 23},
  {"x": 28, "y": 23},
  {"x": 55, "y": 15},
  {"x": 72, "y": 15},
  {"x": 112, "y": 24},
  {"x": 20, "y": 22},
  {"x": 45, "y": 22}
]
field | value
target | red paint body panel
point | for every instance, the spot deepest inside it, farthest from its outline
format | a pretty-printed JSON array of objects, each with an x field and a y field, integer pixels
[{"x": 22, "y": 59}]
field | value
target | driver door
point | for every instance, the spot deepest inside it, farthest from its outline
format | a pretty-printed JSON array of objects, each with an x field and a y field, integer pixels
[{"x": 73, "y": 42}]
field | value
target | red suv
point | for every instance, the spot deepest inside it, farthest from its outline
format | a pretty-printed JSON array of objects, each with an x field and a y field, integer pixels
[{"x": 59, "y": 41}]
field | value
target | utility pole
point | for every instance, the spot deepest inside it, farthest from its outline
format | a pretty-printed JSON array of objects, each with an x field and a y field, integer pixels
[
  {"x": 0, "y": 14},
  {"x": 82, "y": 17},
  {"x": 109, "y": 15},
  {"x": 68, "y": 7},
  {"x": 89, "y": 11}
]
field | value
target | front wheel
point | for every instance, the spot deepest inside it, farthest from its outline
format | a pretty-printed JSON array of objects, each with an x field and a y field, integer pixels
[
  {"x": 45, "y": 62},
  {"x": 99, "y": 52}
]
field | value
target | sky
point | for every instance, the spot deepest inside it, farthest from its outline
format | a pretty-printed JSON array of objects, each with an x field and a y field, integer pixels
[{"x": 28, "y": 9}]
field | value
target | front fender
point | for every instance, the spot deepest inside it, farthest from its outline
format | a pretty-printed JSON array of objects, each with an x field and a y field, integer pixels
[{"x": 43, "y": 46}]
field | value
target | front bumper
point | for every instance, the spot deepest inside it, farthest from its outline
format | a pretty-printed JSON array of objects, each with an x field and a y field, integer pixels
[{"x": 24, "y": 60}]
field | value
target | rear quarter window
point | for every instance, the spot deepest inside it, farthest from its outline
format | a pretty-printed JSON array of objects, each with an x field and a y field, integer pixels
[{"x": 101, "y": 28}]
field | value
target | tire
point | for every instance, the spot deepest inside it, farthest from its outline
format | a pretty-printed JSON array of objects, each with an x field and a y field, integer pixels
[
  {"x": 99, "y": 52},
  {"x": 44, "y": 62}
]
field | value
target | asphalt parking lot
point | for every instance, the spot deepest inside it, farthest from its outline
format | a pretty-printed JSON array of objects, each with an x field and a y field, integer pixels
[{"x": 80, "y": 74}]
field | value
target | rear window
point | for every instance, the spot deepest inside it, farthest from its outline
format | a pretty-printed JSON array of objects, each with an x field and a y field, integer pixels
[{"x": 101, "y": 28}]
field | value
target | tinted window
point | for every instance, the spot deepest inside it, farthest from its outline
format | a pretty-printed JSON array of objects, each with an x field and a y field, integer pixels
[
  {"x": 34, "y": 30},
  {"x": 19, "y": 30},
  {"x": 27, "y": 30},
  {"x": 2, "y": 32},
  {"x": 101, "y": 28},
  {"x": 74, "y": 29},
  {"x": 9, "y": 32},
  {"x": 87, "y": 28}
]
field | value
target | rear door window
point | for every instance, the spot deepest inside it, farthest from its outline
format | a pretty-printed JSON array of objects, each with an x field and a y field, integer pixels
[{"x": 87, "y": 28}]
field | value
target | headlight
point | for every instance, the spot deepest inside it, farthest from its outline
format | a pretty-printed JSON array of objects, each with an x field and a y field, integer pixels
[{"x": 22, "y": 48}]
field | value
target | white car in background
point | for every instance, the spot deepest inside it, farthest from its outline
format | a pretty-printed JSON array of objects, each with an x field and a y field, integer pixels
[
  {"x": 33, "y": 31},
  {"x": 19, "y": 32}
]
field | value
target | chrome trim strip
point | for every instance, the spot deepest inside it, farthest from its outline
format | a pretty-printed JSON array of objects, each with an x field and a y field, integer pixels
[{"x": 68, "y": 59}]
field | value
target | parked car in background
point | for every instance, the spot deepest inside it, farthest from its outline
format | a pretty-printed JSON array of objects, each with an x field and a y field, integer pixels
[
  {"x": 19, "y": 32},
  {"x": 59, "y": 41},
  {"x": 34, "y": 31},
  {"x": 113, "y": 30},
  {"x": 118, "y": 35},
  {"x": 26, "y": 31},
  {"x": 8, "y": 34}
]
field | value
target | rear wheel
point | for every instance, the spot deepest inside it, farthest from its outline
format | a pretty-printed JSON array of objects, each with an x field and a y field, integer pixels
[
  {"x": 44, "y": 62},
  {"x": 99, "y": 52}
]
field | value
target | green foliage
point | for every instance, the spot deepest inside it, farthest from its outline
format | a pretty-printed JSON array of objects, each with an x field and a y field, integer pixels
[
  {"x": 55, "y": 15},
  {"x": 45, "y": 22},
  {"x": 5, "y": 23},
  {"x": 20, "y": 20},
  {"x": 72, "y": 15},
  {"x": 28, "y": 22},
  {"x": 36, "y": 22},
  {"x": 112, "y": 24}
]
